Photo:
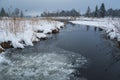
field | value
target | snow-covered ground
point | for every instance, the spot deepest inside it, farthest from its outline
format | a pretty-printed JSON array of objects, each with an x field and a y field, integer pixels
[
  {"x": 23, "y": 32},
  {"x": 110, "y": 25}
]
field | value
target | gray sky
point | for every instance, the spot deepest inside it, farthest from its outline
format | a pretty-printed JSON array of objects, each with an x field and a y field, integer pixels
[{"x": 38, "y": 6}]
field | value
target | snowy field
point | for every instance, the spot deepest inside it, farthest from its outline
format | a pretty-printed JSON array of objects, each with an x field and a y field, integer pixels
[
  {"x": 110, "y": 25},
  {"x": 23, "y": 32}
]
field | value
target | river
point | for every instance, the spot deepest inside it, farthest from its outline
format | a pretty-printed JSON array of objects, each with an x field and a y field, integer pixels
[{"x": 76, "y": 53}]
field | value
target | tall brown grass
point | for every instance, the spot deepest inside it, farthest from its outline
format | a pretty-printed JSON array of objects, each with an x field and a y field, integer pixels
[{"x": 16, "y": 25}]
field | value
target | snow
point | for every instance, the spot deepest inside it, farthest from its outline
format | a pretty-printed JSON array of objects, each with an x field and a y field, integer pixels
[
  {"x": 110, "y": 25},
  {"x": 41, "y": 35},
  {"x": 25, "y": 30}
]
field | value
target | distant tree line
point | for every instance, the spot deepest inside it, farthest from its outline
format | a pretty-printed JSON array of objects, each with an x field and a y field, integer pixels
[
  {"x": 9, "y": 13},
  {"x": 113, "y": 13},
  {"x": 62, "y": 13},
  {"x": 98, "y": 12},
  {"x": 102, "y": 12}
]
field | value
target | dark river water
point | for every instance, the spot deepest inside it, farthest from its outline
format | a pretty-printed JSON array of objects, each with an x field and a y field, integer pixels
[{"x": 76, "y": 53}]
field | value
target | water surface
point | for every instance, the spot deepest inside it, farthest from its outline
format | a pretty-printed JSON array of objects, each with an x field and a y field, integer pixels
[{"x": 77, "y": 53}]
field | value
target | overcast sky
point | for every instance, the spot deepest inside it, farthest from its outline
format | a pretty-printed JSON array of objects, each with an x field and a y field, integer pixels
[{"x": 38, "y": 6}]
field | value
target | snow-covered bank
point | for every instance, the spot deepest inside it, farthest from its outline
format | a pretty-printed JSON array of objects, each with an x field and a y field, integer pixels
[
  {"x": 110, "y": 25},
  {"x": 23, "y": 32}
]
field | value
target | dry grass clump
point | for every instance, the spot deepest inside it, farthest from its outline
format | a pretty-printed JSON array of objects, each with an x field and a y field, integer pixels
[
  {"x": 12, "y": 24},
  {"x": 15, "y": 25}
]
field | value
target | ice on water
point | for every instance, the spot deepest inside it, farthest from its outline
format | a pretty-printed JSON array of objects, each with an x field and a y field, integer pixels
[{"x": 53, "y": 65}]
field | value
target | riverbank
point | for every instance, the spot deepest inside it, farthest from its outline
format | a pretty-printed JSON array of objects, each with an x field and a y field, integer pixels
[
  {"x": 18, "y": 33},
  {"x": 110, "y": 25}
]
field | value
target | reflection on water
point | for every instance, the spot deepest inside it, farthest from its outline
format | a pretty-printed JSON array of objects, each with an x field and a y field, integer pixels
[
  {"x": 95, "y": 28},
  {"x": 100, "y": 29},
  {"x": 87, "y": 28}
]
